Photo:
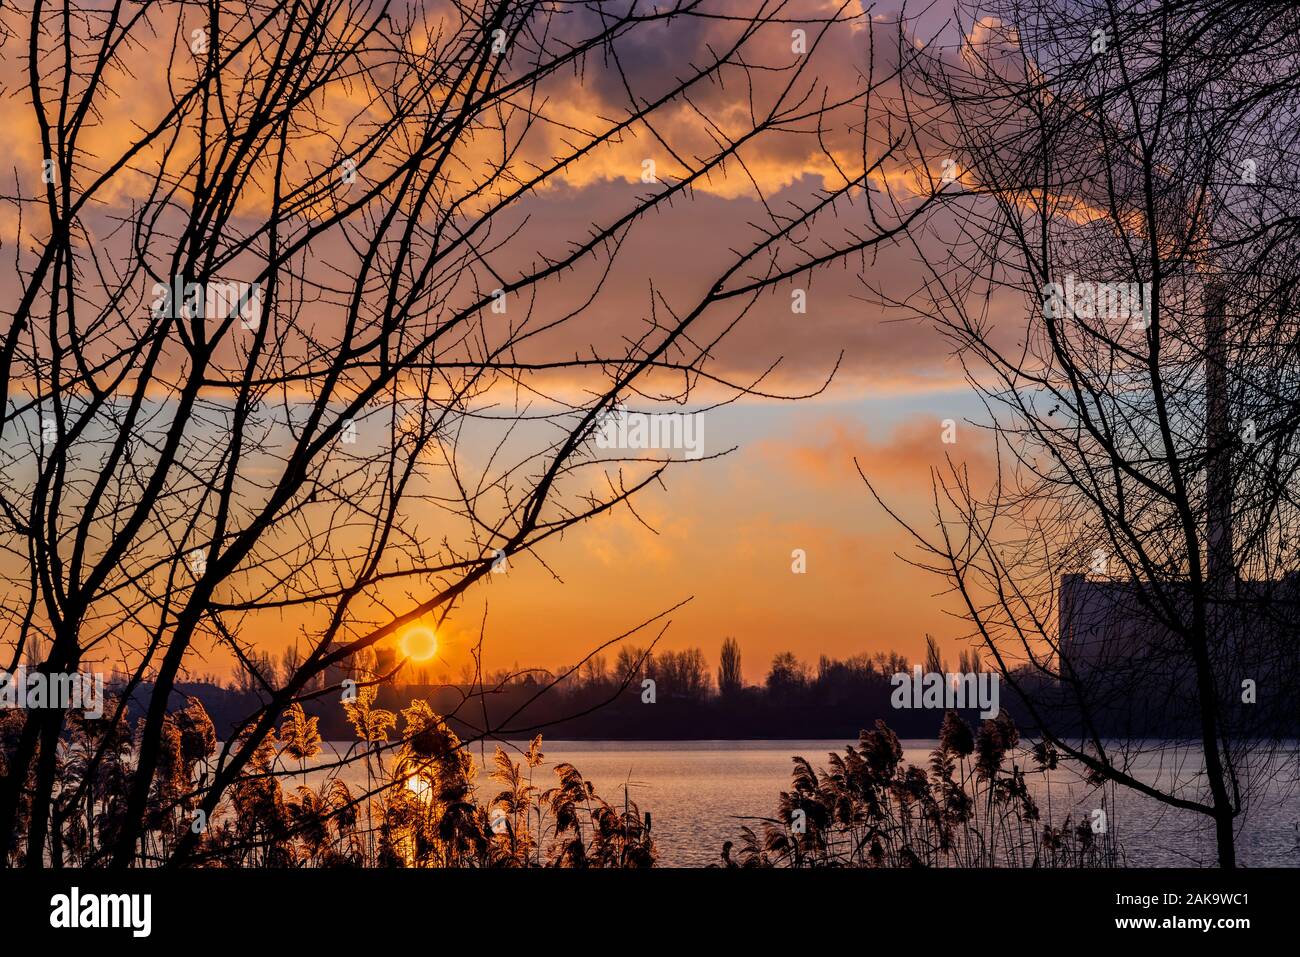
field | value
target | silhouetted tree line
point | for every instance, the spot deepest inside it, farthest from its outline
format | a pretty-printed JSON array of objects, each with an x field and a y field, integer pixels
[
  {"x": 604, "y": 698},
  {"x": 608, "y": 699}
]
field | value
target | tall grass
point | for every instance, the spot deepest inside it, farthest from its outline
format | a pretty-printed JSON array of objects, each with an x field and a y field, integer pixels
[
  {"x": 421, "y": 805},
  {"x": 970, "y": 808}
]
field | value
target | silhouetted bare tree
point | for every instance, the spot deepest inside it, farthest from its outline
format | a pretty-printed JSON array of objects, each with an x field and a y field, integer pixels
[
  {"x": 283, "y": 349},
  {"x": 1116, "y": 270}
]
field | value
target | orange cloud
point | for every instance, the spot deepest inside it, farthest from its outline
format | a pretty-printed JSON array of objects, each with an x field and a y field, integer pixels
[{"x": 838, "y": 447}]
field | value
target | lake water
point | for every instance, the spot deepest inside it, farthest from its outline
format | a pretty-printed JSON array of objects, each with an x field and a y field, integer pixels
[{"x": 699, "y": 791}]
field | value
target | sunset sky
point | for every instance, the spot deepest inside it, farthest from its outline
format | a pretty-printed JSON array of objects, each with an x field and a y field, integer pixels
[
  {"x": 726, "y": 532},
  {"x": 725, "y": 529}
]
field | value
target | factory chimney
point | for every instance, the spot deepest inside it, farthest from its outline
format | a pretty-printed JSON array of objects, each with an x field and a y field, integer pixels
[{"x": 1221, "y": 573}]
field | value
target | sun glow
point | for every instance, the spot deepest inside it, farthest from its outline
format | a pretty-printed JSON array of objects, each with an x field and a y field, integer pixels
[
  {"x": 419, "y": 644},
  {"x": 418, "y": 786}
]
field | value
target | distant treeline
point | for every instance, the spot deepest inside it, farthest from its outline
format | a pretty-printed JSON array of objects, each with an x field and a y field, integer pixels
[{"x": 600, "y": 699}]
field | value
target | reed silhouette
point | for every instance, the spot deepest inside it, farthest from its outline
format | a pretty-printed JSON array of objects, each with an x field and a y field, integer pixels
[
  {"x": 968, "y": 809},
  {"x": 421, "y": 805}
]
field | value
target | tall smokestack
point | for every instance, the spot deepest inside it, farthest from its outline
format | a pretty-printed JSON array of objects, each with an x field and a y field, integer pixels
[{"x": 1221, "y": 573}]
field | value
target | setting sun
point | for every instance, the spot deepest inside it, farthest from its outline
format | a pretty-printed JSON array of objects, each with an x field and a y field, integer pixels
[{"x": 419, "y": 644}]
